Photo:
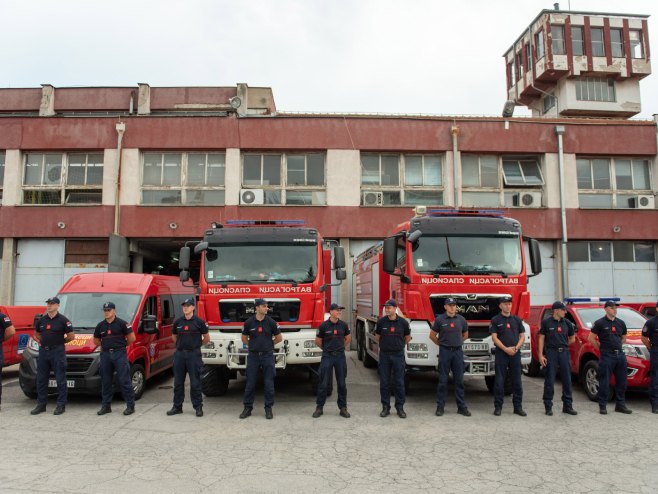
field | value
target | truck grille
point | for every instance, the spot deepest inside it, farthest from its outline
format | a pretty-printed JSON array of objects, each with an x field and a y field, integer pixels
[
  {"x": 240, "y": 311},
  {"x": 476, "y": 309},
  {"x": 78, "y": 365}
]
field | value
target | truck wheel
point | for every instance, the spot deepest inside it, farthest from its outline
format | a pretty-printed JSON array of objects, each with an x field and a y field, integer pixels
[
  {"x": 359, "y": 344},
  {"x": 138, "y": 379},
  {"x": 368, "y": 361},
  {"x": 589, "y": 377},
  {"x": 214, "y": 380},
  {"x": 507, "y": 387},
  {"x": 534, "y": 369}
]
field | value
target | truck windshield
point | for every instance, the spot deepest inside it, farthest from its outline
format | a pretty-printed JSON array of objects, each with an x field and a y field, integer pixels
[
  {"x": 263, "y": 263},
  {"x": 85, "y": 310},
  {"x": 633, "y": 319},
  {"x": 468, "y": 255}
]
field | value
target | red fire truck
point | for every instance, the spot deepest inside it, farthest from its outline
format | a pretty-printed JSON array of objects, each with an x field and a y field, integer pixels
[
  {"x": 281, "y": 261},
  {"x": 475, "y": 257}
]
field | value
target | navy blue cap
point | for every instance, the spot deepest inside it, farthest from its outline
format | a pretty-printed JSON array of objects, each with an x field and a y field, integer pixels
[
  {"x": 109, "y": 305},
  {"x": 260, "y": 301},
  {"x": 390, "y": 303},
  {"x": 52, "y": 300},
  {"x": 188, "y": 301},
  {"x": 558, "y": 305},
  {"x": 505, "y": 298},
  {"x": 450, "y": 301},
  {"x": 610, "y": 303},
  {"x": 336, "y": 307}
]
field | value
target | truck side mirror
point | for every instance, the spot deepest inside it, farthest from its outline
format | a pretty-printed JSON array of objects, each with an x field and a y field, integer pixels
[
  {"x": 413, "y": 237},
  {"x": 184, "y": 259},
  {"x": 200, "y": 247},
  {"x": 339, "y": 257},
  {"x": 535, "y": 256},
  {"x": 184, "y": 276},
  {"x": 390, "y": 254},
  {"x": 341, "y": 274},
  {"x": 149, "y": 325}
]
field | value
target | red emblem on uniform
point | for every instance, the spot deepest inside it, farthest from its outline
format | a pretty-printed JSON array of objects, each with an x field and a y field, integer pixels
[
  {"x": 508, "y": 326},
  {"x": 186, "y": 328},
  {"x": 452, "y": 324},
  {"x": 335, "y": 331},
  {"x": 109, "y": 331},
  {"x": 614, "y": 330},
  {"x": 559, "y": 330},
  {"x": 47, "y": 326},
  {"x": 392, "y": 329},
  {"x": 260, "y": 329}
]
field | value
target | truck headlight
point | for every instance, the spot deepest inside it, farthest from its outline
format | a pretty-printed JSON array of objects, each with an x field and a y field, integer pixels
[
  {"x": 209, "y": 346},
  {"x": 33, "y": 344},
  {"x": 525, "y": 347},
  {"x": 309, "y": 344},
  {"x": 633, "y": 351},
  {"x": 417, "y": 347}
]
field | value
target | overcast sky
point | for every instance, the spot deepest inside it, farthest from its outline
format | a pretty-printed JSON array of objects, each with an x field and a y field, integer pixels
[{"x": 413, "y": 56}]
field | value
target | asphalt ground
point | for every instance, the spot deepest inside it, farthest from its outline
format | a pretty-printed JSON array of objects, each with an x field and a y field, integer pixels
[{"x": 149, "y": 452}]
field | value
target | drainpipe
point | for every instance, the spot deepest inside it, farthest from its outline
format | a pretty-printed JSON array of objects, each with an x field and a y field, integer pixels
[
  {"x": 559, "y": 130},
  {"x": 121, "y": 128},
  {"x": 456, "y": 166}
]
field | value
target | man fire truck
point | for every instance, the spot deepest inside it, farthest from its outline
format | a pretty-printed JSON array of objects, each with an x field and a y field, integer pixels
[
  {"x": 281, "y": 261},
  {"x": 475, "y": 257}
]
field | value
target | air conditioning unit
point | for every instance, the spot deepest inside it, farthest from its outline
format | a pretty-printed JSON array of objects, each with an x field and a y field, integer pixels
[
  {"x": 527, "y": 200},
  {"x": 371, "y": 198},
  {"x": 642, "y": 202},
  {"x": 250, "y": 197}
]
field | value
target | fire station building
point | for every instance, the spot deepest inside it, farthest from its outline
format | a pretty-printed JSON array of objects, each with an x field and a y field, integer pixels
[{"x": 118, "y": 178}]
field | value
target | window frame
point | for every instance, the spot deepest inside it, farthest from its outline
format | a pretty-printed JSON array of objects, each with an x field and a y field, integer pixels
[
  {"x": 558, "y": 44},
  {"x": 62, "y": 188},
  {"x": 619, "y": 44},
  {"x": 539, "y": 44},
  {"x": 597, "y": 45},
  {"x": 634, "y": 43},
  {"x": 183, "y": 189},
  {"x": 586, "y": 86},
  {"x": 588, "y": 245},
  {"x": 578, "y": 44}
]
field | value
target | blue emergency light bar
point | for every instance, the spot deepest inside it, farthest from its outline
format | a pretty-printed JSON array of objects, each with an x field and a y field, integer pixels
[
  {"x": 466, "y": 212},
  {"x": 265, "y": 223},
  {"x": 576, "y": 300}
]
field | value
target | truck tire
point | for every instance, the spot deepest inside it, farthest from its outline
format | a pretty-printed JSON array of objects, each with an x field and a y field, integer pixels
[
  {"x": 589, "y": 378},
  {"x": 137, "y": 379},
  {"x": 534, "y": 368},
  {"x": 214, "y": 380},
  {"x": 368, "y": 361},
  {"x": 507, "y": 388},
  {"x": 360, "y": 350}
]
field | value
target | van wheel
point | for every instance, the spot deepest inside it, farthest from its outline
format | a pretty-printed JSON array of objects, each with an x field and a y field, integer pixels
[
  {"x": 534, "y": 369},
  {"x": 589, "y": 377},
  {"x": 214, "y": 380},
  {"x": 138, "y": 379},
  {"x": 368, "y": 361},
  {"x": 507, "y": 387}
]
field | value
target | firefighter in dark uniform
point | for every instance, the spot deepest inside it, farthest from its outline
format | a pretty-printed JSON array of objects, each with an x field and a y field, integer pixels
[
  {"x": 7, "y": 330},
  {"x": 508, "y": 335},
  {"x": 333, "y": 336},
  {"x": 608, "y": 334},
  {"x": 392, "y": 333},
  {"x": 260, "y": 333},
  {"x": 650, "y": 340},
  {"x": 113, "y": 335},
  {"x": 556, "y": 333},
  {"x": 53, "y": 330},
  {"x": 189, "y": 333},
  {"x": 449, "y": 332}
]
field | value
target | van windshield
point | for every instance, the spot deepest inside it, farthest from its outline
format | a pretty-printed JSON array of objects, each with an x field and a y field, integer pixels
[
  {"x": 633, "y": 319},
  {"x": 85, "y": 310}
]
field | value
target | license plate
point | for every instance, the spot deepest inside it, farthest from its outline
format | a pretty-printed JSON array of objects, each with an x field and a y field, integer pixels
[
  {"x": 70, "y": 383},
  {"x": 472, "y": 347},
  {"x": 479, "y": 368}
]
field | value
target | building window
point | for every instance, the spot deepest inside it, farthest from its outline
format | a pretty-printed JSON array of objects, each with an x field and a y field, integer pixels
[
  {"x": 595, "y": 89},
  {"x": 539, "y": 43},
  {"x": 512, "y": 72},
  {"x": 549, "y": 102},
  {"x": 618, "y": 251},
  {"x": 612, "y": 182},
  {"x": 577, "y": 41},
  {"x": 616, "y": 43},
  {"x": 409, "y": 179},
  {"x": 2, "y": 173},
  {"x": 598, "y": 47},
  {"x": 557, "y": 44},
  {"x": 86, "y": 252},
  {"x": 56, "y": 178},
  {"x": 637, "y": 50},
  {"x": 183, "y": 178},
  {"x": 528, "y": 56},
  {"x": 481, "y": 185},
  {"x": 296, "y": 179}
]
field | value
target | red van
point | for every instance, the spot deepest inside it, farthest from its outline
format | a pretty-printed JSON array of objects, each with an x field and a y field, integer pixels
[
  {"x": 22, "y": 317},
  {"x": 149, "y": 303}
]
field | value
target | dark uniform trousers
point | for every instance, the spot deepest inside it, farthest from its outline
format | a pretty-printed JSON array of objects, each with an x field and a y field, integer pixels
[
  {"x": 187, "y": 362},
  {"x": 503, "y": 362},
  {"x": 111, "y": 361},
  {"x": 2, "y": 362},
  {"x": 51, "y": 358},
  {"x": 612, "y": 363},
  {"x": 337, "y": 362},
  {"x": 451, "y": 359},
  {"x": 653, "y": 390},
  {"x": 391, "y": 362},
  {"x": 255, "y": 362},
  {"x": 554, "y": 359}
]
